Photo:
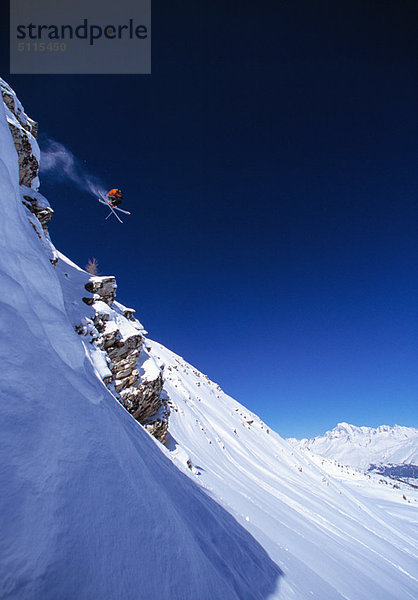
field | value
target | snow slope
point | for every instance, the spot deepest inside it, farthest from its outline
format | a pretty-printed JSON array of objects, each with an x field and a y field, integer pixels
[
  {"x": 335, "y": 532},
  {"x": 93, "y": 507},
  {"x": 363, "y": 446},
  {"x": 90, "y": 505}
]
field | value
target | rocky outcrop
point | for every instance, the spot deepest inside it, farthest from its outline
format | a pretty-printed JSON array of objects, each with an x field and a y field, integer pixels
[
  {"x": 43, "y": 215},
  {"x": 116, "y": 337},
  {"x": 144, "y": 401},
  {"x": 24, "y": 131},
  {"x": 134, "y": 378},
  {"x": 38, "y": 205},
  {"x": 10, "y": 100},
  {"x": 158, "y": 426},
  {"x": 28, "y": 163},
  {"x": 124, "y": 354},
  {"x": 104, "y": 287}
]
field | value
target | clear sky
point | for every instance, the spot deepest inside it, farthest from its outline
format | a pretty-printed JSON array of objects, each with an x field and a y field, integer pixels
[{"x": 269, "y": 162}]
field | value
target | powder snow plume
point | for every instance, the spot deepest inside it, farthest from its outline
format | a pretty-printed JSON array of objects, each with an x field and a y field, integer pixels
[{"x": 60, "y": 163}]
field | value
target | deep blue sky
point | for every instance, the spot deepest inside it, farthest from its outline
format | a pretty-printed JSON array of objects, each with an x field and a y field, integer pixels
[{"x": 269, "y": 163}]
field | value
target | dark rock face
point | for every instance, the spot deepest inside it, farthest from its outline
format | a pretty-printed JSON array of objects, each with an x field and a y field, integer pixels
[
  {"x": 144, "y": 400},
  {"x": 25, "y": 132},
  {"x": 158, "y": 428},
  {"x": 43, "y": 214},
  {"x": 141, "y": 396},
  {"x": 28, "y": 164},
  {"x": 128, "y": 313},
  {"x": 26, "y": 122},
  {"x": 105, "y": 287},
  {"x": 88, "y": 301},
  {"x": 124, "y": 355},
  {"x": 139, "y": 390},
  {"x": 8, "y": 100}
]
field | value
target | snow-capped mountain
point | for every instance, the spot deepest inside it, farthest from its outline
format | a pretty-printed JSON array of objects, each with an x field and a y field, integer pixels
[
  {"x": 127, "y": 473},
  {"x": 362, "y": 447}
]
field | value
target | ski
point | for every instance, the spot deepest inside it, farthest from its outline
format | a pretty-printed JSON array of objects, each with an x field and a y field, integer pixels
[
  {"x": 114, "y": 213},
  {"x": 125, "y": 212},
  {"x": 113, "y": 209}
]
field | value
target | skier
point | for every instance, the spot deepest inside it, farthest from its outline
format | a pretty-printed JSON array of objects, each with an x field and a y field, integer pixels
[{"x": 115, "y": 197}]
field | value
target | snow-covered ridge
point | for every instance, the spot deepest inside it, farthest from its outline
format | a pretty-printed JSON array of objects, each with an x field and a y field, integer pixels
[
  {"x": 113, "y": 338},
  {"x": 361, "y": 447},
  {"x": 90, "y": 505}
]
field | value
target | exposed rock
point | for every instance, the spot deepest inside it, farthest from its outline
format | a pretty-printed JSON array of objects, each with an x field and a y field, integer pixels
[
  {"x": 104, "y": 287},
  {"x": 24, "y": 132},
  {"x": 39, "y": 213},
  {"x": 28, "y": 164},
  {"x": 136, "y": 379},
  {"x": 88, "y": 301},
  {"x": 123, "y": 348},
  {"x": 158, "y": 429},
  {"x": 42, "y": 213},
  {"x": 144, "y": 400},
  {"x": 124, "y": 354},
  {"x": 10, "y": 101},
  {"x": 110, "y": 338},
  {"x": 100, "y": 319}
]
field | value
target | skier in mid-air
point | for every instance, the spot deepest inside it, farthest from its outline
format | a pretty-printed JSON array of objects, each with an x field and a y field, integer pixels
[{"x": 113, "y": 199}]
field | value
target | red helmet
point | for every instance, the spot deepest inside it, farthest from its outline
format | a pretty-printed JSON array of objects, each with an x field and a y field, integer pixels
[{"x": 115, "y": 193}]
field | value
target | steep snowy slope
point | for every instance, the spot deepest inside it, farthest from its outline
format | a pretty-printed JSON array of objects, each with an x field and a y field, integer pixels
[
  {"x": 363, "y": 446},
  {"x": 336, "y": 533},
  {"x": 90, "y": 506},
  {"x": 93, "y": 507}
]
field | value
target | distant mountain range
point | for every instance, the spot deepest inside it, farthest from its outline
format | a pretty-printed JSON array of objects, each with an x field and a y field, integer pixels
[{"x": 389, "y": 450}]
